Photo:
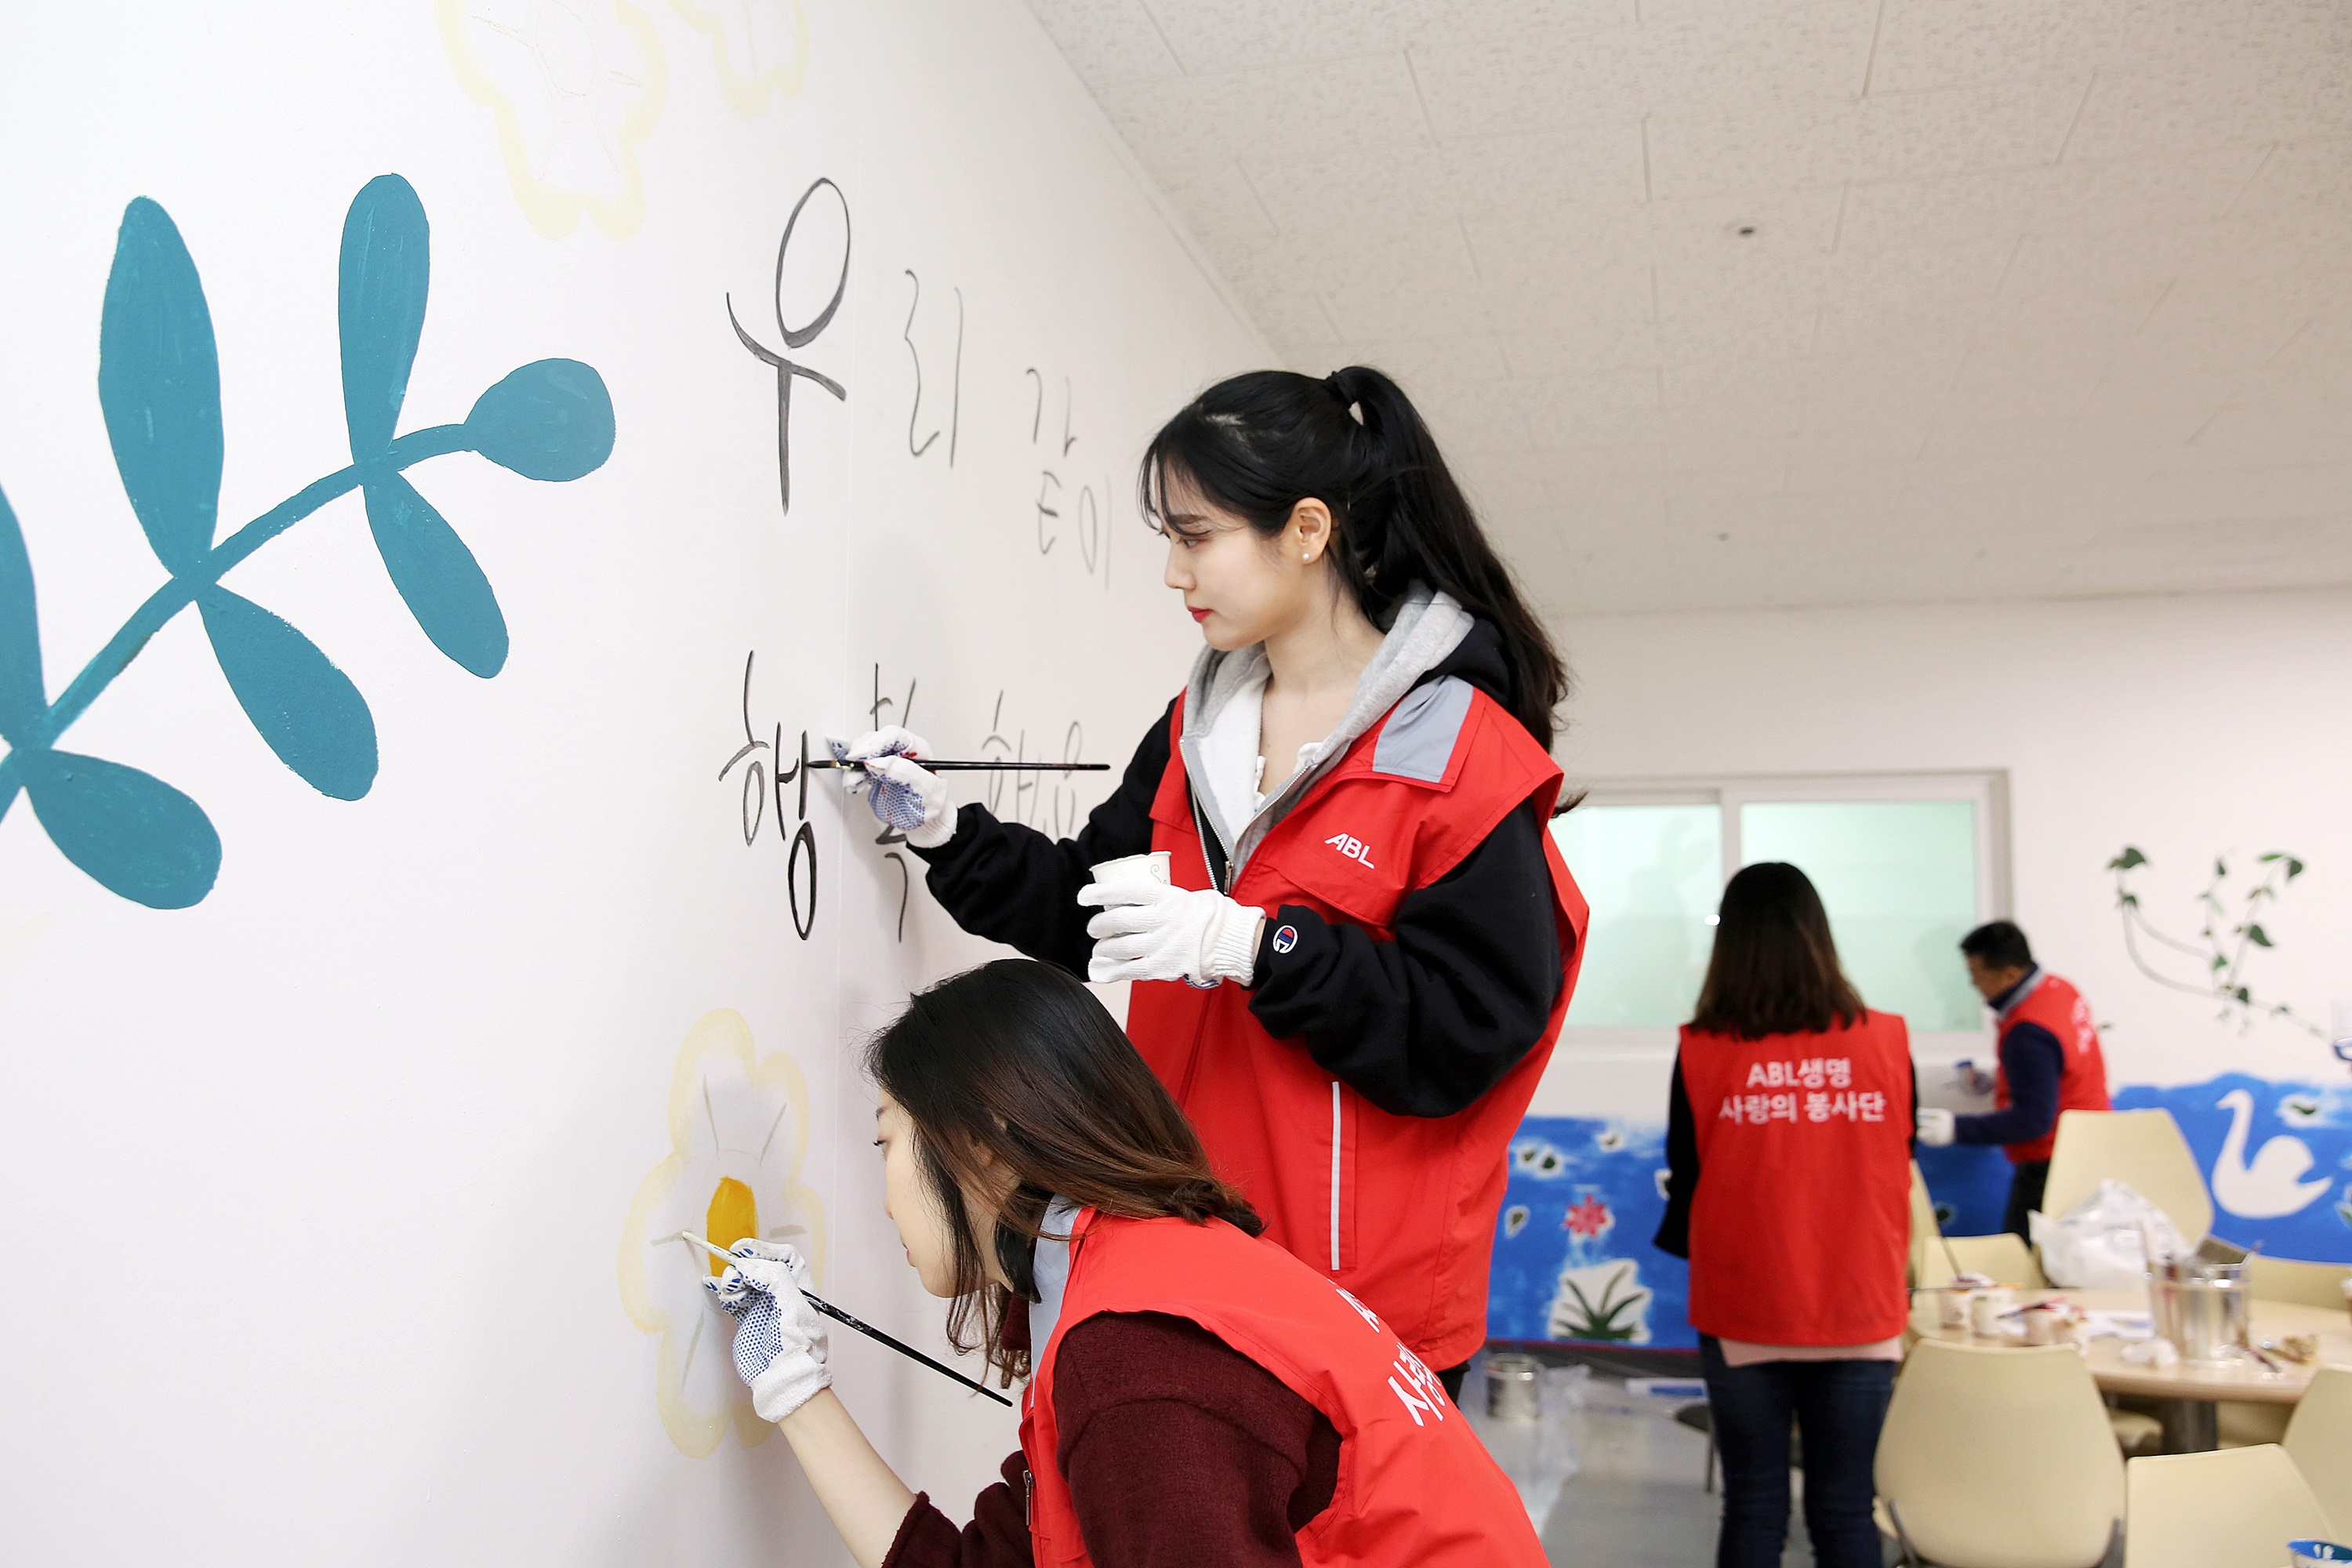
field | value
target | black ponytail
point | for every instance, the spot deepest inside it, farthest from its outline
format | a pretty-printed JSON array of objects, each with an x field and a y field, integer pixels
[{"x": 1260, "y": 443}]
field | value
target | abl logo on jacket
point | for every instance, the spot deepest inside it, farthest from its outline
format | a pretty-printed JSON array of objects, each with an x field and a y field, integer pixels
[{"x": 1354, "y": 849}]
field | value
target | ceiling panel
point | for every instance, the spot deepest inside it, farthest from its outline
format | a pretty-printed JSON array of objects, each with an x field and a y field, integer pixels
[{"x": 1735, "y": 302}]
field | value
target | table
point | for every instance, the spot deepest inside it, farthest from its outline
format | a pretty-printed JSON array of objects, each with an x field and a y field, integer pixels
[{"x": 2191, "y": 1421}]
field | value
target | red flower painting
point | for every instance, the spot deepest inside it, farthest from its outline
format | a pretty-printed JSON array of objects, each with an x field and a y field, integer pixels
[{"x": 1588, "y": 1217}]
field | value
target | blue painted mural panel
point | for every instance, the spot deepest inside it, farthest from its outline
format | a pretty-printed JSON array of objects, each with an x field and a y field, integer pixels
[{"x": 1572, "y": 1253}]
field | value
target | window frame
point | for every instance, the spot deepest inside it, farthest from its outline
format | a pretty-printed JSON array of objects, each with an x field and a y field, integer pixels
[{"x": 1987, "y": 790}]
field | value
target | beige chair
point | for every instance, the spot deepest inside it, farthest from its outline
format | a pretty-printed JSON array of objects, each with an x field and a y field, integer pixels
[
  {"x": 2143, "y": 1149},
  {"x": 1929, "y": 1262},
  {"x": 2305, "y": 1284},
  {"x": 2232, "y": 1508},
  {"x": 2003, "y": 1257},
  {"x": 2319, "y": 1441},
  {"x": 1999, "y": 1458}
]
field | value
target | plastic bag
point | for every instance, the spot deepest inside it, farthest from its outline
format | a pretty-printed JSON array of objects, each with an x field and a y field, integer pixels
[{"x": 2101, "y": 1244}]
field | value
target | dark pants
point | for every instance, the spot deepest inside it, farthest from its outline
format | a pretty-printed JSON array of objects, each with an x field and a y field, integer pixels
[
  {"x": 1452, "y": 1377},
  {"x": 1837, "y": 1405},
  {"x": 2026, "y": 1183}
]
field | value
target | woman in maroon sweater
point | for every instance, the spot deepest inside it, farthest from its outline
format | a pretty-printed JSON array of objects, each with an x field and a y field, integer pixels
[{"x": 1032, "y": 1162}]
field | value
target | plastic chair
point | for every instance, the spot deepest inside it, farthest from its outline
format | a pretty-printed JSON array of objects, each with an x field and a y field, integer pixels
[
  {"x": 2143, "y": 1149},
  {"x": 2232, "y": 1508},
  {"x": 1929, "y": 1262},
  {"x": 1995, "y": 1457},
  {"x": 2305, "y": 1284},
  {"x": 2003, "y": 1259},
  {"x": 2319, "y": 1441}
]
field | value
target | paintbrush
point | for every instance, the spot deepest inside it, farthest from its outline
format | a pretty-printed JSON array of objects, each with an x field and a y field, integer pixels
[
  {"x": 948, "y": 767},
  {"x": 839, "y": 1316}
]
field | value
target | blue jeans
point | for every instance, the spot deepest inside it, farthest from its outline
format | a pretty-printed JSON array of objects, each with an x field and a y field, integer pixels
[{"x": 1837, "y": 1405}]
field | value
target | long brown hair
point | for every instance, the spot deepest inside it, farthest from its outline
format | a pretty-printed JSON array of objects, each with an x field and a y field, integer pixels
[
  {"x": 1775, "y": 969},
  {"x": 1018, "y": 1062}
]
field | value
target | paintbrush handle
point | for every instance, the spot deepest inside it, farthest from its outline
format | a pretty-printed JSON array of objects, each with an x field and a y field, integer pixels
[
  {"x": 944, "y": 767},
  {"x": 839, "y": 1316}
]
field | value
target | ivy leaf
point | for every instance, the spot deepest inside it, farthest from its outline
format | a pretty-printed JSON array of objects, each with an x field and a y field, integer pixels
[
  {"x": 2294, "y": 868},
  {"x": 308, "y": 712},
  {"x": 552, "y": 419},
  {"x": 2243, "y": 996},
  {"x": 159, "y": 387},
  {"x": 379, "y": 307},
  {"x": 2127, "y": 859},
  {"x": 2273, "y": 855},
  {"x": 437, "y": 575},
  {"x": 2130, "y": 901},
  {"x": 134, "y": 835},
  {"x": 2256, "y": 935},
  {"x": 23, "y": 698},
  {"x": 2219, "y": 962},
  {"x": 2220, "y": 868}
]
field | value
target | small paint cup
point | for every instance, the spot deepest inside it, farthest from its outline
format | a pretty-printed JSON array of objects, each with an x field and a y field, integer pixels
[
  {"x": 1152, "y": 866},
  {"x": 1986, "y": 1308},
  {"x": 1952, "y": 1307}
]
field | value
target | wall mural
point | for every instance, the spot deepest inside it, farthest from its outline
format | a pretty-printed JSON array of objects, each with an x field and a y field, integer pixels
[
  {"x": 739, "y": 1136},
  {"x": 1572, "y": 1253},
  {"x": 159, "y": 389}
]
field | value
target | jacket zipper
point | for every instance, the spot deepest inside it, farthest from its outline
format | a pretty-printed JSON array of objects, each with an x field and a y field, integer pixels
[{"x": 1334, "y": 1175}]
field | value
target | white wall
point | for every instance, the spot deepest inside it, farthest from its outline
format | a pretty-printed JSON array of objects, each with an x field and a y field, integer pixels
[
  {"x": 2185, "y": 726},
  {"x": 313, "y": 1192}
]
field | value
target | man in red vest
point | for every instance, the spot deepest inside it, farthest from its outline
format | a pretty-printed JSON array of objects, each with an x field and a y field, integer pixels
[{"x": 2049, "y": 1062}]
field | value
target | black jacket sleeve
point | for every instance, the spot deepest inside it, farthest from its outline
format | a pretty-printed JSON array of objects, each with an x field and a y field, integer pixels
[
  {"x": 1010, "y": 883},
  {"x": 2033, "y": 1061},
  {"x": 1423, "y": 1024},
  {"x": 1682, "y": 1171}
]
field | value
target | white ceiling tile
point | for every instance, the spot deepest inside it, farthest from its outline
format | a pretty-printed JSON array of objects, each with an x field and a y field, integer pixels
[
  {"x": 1959, "y": 130},
  {"x": 1280, "y": 111},
  {"x": 1567, "y": 341},
  {"x": 1947, "y": 210},
  {"x": 1230, "y": 34},
  {"x": 2313, "y": 366},
  {"x": 2085, "y": 197},
  {"x": 1218, "y": 204},
  {"x": 1591, "y": 167},
  {"x": 2279, "y": 433},
  {"x": 2296, "y": 180},
  {"x": 1735, "y": 333},
  {"x": 1535, "y": 82},
  {"x": 1552, "y": 249},
  {"x": 1758, "y": 55},
  {"x": 1412, "y": 361},
  {"x": 2260, "y": 92},
  {"x": 1107, "y": 41}
]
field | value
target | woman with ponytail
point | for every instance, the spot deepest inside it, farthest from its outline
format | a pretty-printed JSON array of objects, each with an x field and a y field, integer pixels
[
  {"x": 1354, "y": 975},
  {"x": 1196, "y": 1394}
]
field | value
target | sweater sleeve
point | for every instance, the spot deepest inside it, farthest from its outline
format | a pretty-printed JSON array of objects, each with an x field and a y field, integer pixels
[
  {"x": 1424, "y": 1024},
  {"x": 1682, "y": 1171},
  {"x": 997, "y": 1537},
  {"x": 2033, "y": 1061},
  {"x": 1010, "y": 883},
  {"x": 1179, "y": 1450}
]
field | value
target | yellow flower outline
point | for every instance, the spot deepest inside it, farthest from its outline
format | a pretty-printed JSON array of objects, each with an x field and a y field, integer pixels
[
  {"x": 748, "y": 95},
  {"x": 554, "y": 210},
  {"x": 723, "y": 1032}
]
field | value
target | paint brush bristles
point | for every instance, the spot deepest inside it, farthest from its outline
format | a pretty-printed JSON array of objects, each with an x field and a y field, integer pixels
[{"x": 928, "y": 765}]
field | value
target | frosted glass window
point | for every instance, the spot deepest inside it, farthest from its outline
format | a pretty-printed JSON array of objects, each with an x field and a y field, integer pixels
[
  {"x": 1654, "y": 875},
  {"x": 1899, "y": 880}
]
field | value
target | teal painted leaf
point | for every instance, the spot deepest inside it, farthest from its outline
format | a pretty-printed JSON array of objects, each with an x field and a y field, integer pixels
[
  {"x": 159, "y": 386},
  {"x": 307, "y": 709},
  {"x": 23, "y": 700},
  {"x": 437, "y": 575},
  {"x": 379, "y": 307},
  {"x": 552, "y": 419},
  {"x": 133, "y": 833}
]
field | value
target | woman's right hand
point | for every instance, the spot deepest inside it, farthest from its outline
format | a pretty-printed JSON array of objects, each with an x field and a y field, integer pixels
[
  {"x": 780, "y": 1338},
  {"x": 901, "y": 793}
]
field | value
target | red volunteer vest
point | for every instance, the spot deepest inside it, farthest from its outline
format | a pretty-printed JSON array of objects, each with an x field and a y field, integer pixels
[
  {"x": 1415, "y": 1485},
  {"x": 1399, "y": 1209},
  {"x": 2057, "y": 1006},
  {"x": 1802, "y": 1217}
]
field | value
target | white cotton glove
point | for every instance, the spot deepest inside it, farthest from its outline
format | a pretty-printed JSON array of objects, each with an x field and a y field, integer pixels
[
  {"x": 1150, "y": 930},
  {"x": 902, "y": 795},
  {"x": 1936, "y": 1129},
  {"x": 780, "y": 1338}
]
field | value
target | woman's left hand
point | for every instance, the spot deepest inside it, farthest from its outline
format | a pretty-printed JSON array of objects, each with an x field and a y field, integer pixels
[{"x": 1150, "y": 930}]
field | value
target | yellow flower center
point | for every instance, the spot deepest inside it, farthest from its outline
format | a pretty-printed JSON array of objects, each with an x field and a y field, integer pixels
[{"x": 734, "y": 1213}]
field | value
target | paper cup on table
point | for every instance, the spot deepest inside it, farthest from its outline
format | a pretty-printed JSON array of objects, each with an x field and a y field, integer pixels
[
  {"x": 1984, "y": 1309},
  {"x": 1148, "y": 868},
  {"x": 1952, "y": 1307}
]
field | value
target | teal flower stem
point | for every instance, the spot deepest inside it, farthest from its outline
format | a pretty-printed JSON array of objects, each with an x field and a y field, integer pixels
[{"x": 181, "y": 591}]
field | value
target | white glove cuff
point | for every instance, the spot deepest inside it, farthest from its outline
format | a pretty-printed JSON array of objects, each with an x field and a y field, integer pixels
[
  {"x": 1231, "y": 948},
  {"x": 791, "y": 1380},
  {"x": 934, "y": 831}
]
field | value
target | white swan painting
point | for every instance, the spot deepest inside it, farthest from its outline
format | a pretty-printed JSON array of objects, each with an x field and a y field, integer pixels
[{"x": 2273, "y": 1184}]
